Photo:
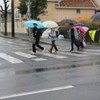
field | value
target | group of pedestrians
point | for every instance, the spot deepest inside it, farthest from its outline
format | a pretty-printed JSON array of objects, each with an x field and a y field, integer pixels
[
  {"x": 75, "y": 35},
  {"x": 36, "y": 34}
]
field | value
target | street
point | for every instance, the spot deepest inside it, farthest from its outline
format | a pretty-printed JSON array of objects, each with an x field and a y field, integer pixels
[{"x": 44, "y": 76}]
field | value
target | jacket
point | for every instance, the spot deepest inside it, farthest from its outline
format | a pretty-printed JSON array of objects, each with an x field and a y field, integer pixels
[
  {"x": 75, "y": 33},
  {"x": 52, "y": 35}
]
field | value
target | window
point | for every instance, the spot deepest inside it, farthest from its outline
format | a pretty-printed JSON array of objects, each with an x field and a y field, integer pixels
[
  {"x": 45, "y": 13},
  {"x": 16, "y": 14},
  {"x": 78, "y": 11}
]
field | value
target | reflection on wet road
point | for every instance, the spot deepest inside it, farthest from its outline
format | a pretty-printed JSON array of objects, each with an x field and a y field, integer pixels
[{"x": 73, "y": 64}]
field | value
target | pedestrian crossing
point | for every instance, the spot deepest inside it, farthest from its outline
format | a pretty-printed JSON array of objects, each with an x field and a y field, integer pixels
[
  {"x": 15, "y": 57},
  {"x": 9, "y": 58},
  {"x": 25, "y": 54}
]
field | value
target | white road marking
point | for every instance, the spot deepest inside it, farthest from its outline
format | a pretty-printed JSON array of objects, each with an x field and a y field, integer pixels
[
  {"x": 39, "y": 59},
  {"x": 72, "y": 54},
  {"x": 25, "y": 54},
  {"x": 36, "y": 92},
  {"x": 53, "y": 55},
  {"x": 16, "y": 46},
  {"x": 23, "y": 44},
  {"x": 92, "y": 50},
  {"x": 10, "y": 58},
  {"x": 10, "y": 42},
  {"x": 90, "y": 53},
  {"x": 21, "y": 48}
]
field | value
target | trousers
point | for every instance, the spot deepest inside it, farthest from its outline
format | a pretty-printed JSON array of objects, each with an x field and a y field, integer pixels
[
  {"x": 36, "y": 44},
  {"x": 53, "y": 45}
]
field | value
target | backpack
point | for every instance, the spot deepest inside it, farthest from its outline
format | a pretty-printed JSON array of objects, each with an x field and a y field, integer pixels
[{"x": 57, "y": 34}]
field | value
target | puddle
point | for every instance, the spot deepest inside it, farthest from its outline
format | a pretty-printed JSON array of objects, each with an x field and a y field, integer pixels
[{"x": 71, "y": 65}]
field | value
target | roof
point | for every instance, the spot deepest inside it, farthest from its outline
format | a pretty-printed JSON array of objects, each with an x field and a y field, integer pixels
[
  {"x": 53, "y": 0},
  {"x": 77, "y": 3}
]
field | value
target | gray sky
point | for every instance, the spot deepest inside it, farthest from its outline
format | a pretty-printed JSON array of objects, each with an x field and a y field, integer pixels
[{"x": 1, "y": 3}]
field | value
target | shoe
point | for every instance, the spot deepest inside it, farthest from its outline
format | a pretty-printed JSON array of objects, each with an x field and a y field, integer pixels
[
  {"x": 50, "y": 51},
  {"x": 43, "y": 50},
  {"x": 78, "y": 49},
  {"x": 33, "y": 53},
  {"x": 56, "y": 50},
  {"x": 71, "y": 50}
]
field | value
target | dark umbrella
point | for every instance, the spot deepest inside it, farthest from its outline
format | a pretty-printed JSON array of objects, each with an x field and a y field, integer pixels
[
  {"x": 68, "y": 20},
  {"x": 96, "y": 17}
]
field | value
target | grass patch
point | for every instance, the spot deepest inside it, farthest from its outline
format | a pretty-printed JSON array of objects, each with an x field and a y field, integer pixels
[{"x": 67, "y": 39}]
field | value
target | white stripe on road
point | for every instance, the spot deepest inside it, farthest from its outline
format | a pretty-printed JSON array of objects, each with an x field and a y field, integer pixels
[
  {"x": 53, "y": 55},
  {"x": 21, "y": 48},
  {"x": 92, "y": 50},
  {"x": 25, "y": 54},
  {"x": 10, "y": 58},
  {"x": 39, "y": 59},
  {"x": 90, "y": 53},
  {"x": 10, "y": 42},
  {"x": 36, "y": 92},
  {"x": 72, "y": 54},
  {"x": 23, "y": 44}
]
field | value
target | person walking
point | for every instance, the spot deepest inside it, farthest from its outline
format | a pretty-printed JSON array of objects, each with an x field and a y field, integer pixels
[
  {"x": 53, "y": 37},
  {"x": 73, "y": 34},
  {"x": 36, "y": 35}
]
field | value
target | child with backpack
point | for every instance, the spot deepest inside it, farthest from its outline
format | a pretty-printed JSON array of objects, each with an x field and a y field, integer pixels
[{"x": 53, "y": 35}]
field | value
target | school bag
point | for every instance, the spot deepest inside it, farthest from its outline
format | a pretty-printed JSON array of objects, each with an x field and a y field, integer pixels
[{"x": 57, "y": 34}]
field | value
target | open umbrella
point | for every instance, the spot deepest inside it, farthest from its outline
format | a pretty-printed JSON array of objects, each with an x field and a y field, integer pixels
[
  {"x": 79, "y": 24},
  {"x": 50, "y": 24},
  {"x": 45, "y": 34},
  {"x": 31, "y": 22},
  {"x": 81, "y": 29},
  {"x": 96, "y": 17},
  {"x": 85, "y": 28},
  {"x": 68, "y": 20}
]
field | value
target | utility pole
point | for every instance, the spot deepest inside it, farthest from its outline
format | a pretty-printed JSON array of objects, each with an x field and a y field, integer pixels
[
  {"x": 28, "y": 4},
  {"x": 28, "y": 9},
  {"x": 12, "y": 17}
]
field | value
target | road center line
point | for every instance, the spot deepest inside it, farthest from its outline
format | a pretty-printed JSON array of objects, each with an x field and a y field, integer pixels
[{"x": 36, "y": 92}]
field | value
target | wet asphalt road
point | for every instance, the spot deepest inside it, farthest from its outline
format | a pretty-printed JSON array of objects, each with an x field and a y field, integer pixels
[{"x": 72, "y": 78}]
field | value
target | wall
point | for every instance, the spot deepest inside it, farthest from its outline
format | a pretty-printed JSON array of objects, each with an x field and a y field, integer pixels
[
  {"x": 16, "y": 3},
  {"x": 51, "y": 12},
  {"x": 98, "y": 3},
  {"x": 58, "y": 14},
  {"x": 71, "y": 13},
  {"x": 19, "y": 28}
]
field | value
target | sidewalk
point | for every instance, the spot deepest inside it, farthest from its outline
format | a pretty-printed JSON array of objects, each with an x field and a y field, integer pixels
[{"x": 25, "y": 37}]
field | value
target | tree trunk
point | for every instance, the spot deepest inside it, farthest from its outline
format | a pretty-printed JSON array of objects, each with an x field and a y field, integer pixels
[
  {"x": 5, "y": 26},
  {"x": 5, "y": 21},
  {"x": 36, "y": 7}
]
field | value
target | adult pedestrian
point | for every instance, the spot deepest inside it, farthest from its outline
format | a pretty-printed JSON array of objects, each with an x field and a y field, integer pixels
[
  {"x": 36, "y": 35},
  {"x": 73, "y": 34},
  {"x": 53, "y": 37}
]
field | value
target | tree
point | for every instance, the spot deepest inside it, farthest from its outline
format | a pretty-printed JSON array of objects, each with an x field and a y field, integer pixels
[
  {"x": 37, "y": 7},
  {"x": 4, "y": 13}
]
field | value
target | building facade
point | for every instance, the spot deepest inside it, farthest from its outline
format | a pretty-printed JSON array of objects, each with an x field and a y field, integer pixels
[{"x": 60, "y": 9}]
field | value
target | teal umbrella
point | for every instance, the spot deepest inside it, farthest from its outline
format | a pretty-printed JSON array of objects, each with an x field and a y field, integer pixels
[{"x": 31, "y": 22}]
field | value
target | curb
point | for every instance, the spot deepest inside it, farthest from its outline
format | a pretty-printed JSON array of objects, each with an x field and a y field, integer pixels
[
  {"x": 43, "y": 42},
  {"x": 9, "y": 37}
]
